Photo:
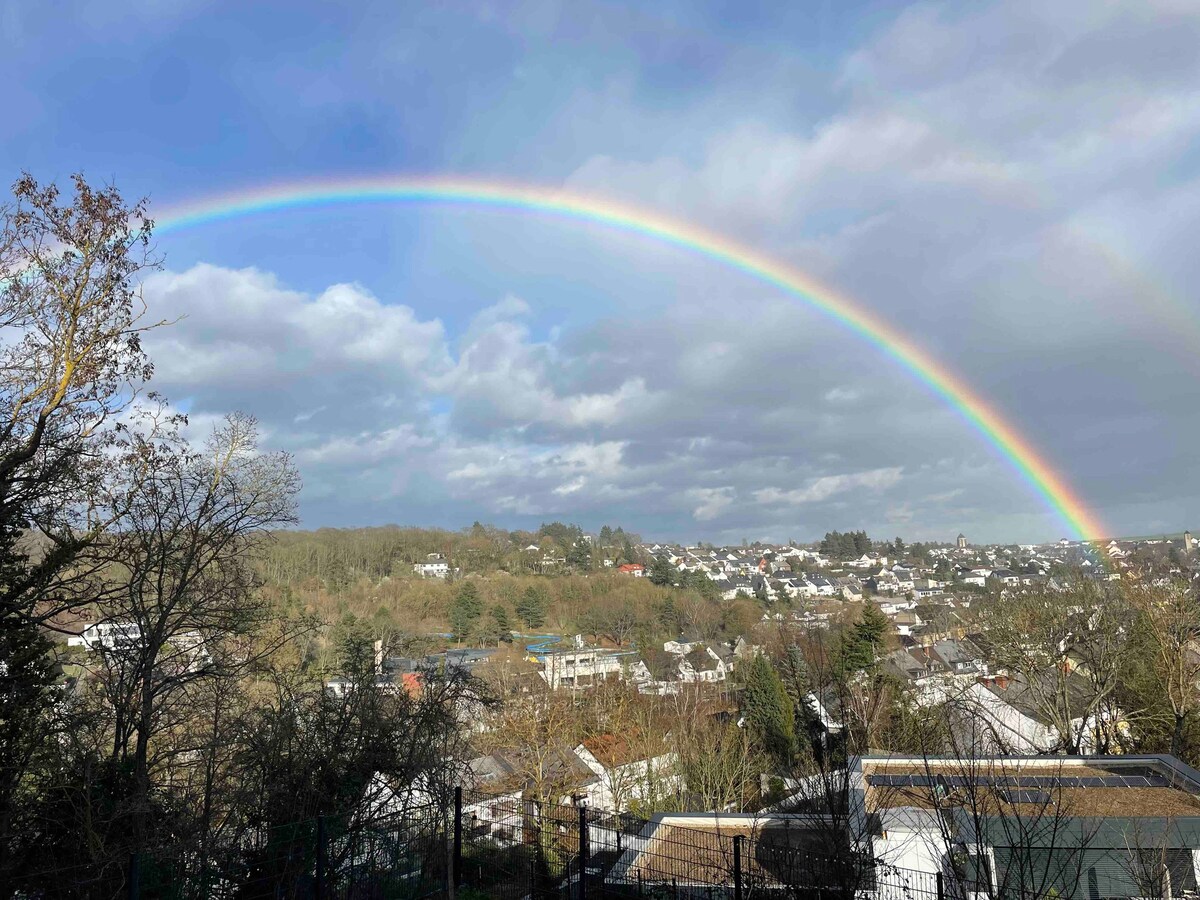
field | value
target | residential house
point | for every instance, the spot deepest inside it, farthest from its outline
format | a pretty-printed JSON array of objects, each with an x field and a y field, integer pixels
[
  {"x": 1070, "y": 827},
  {"x": 702, "y": 664},
  {"x": 960, "y": 657},
  {"x": 849, "y": 588},
  {"x": 1001, "y": 713},
  {"x": 904, "y": 579},
  {"x": 1006, "y": 577},
  {"x": 696, "y": 660},
  {"x": 435, "y": 566},
  {"x": 926, "y": 587},
  {"x": 737, "y": 587},
  {"x": 582, "y": 667},
  {"x": 824, "y": 587},
  {"x": 908, "y": 666},
  {"x": 627, "y": 771},
  {"x": 108, "y": 636},
  {"x": 906, "y": 621}
]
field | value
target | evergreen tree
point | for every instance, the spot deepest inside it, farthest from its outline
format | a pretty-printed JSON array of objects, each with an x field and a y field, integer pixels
[
  {"x": 579, "y": 556},
  {"x": 499, "y": 626},
  {"x": 465, "y": 610},
  {"x": 671, "y": 618},
  {"x": 662, "y": 572},
  {"x": 793, "y": 672},
  {"x": 863, "y": 643},
  {"x": 531, "y": 608},
  {"x": 769, "y": 711},
  {"x": 849, "y": 545},
  {"x": 351, "y": 639},
  {"x": 606, "y": 536}
]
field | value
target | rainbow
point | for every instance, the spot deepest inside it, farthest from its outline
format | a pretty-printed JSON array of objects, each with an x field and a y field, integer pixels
[{"x": 1051, "y": 487}]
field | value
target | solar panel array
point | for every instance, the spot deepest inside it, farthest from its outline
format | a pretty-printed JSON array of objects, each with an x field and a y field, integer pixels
[
  {"x": 1022, "y": 781},
  {"x": 1042, "y": 798}
]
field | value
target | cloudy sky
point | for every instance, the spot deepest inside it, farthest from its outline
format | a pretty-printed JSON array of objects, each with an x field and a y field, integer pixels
[{"x": 1012, "y": 185}]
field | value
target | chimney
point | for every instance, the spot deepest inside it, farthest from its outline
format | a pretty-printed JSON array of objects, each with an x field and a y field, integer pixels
[{"x": 379, "y": 657}]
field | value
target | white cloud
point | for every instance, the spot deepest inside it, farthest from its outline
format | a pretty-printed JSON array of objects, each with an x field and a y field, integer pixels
[
  {"x": 709, "y": 503},
  {"x": 828, "y": 485}
]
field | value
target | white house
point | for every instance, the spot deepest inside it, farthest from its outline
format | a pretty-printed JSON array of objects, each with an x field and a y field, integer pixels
[
  {"x": 108, "y": 636},
  {"x": 581, "y": 668},
  {"x": 702, "y": 665},
  {"x": 435, "y": 566},
  {"x": 999, "y": 715},
  {"x": 622, "y": 778}
]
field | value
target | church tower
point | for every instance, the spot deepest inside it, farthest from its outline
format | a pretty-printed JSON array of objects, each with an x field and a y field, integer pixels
[{"x": 962, "y": 542}]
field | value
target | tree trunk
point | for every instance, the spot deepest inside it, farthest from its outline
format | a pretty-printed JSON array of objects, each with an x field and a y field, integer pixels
[{"x": 1177, "y": 735}]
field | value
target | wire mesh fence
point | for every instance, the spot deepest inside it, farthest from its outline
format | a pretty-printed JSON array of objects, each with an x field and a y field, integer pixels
[
  {"x": 326, "y": 858},
  {"x": 515, "y": 847},
  {"x": 504, "y": 846}
]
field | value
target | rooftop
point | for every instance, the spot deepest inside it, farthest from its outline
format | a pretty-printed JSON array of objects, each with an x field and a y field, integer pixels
[
  {"x": 698, "y": 848},
  {"x": 1130, "y": 787}
]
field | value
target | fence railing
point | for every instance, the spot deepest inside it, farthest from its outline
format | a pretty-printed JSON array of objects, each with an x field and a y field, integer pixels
[
  {"x": 326, "y": 858},
  {"x": 512, "y": 847},
  {"x": 484, "y": 845}
]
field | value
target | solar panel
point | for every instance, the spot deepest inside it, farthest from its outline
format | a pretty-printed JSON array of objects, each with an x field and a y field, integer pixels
[
  {"x": 1019, "y": 782},
  {"x": 1023, "y": 795}
]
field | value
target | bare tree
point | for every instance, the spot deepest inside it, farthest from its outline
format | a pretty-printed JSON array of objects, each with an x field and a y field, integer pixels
[
  {"x": 71, "y": 362},
  {"x": 72, "y": 316},
  {"x": 1172, "y": 616},
  {"x": 719, "y": 766},
  {"x": 1065, "y": 650},
  {"x": 182, "y": 548},
  {"x": 538, "y": 732}
]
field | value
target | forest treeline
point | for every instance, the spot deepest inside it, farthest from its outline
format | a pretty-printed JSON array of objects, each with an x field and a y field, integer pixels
[{"x": 338, "y": 557}]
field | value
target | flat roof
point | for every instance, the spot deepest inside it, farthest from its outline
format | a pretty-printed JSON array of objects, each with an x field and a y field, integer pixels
[
  {"x": 705, "y": 855},
  {"x": 1140, "y": 788}
]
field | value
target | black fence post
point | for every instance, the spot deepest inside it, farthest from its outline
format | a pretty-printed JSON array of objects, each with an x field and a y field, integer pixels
[
  {"x": 135, "y": 873},
  {"x": 941, "y": 888},
  {"x": 321, "y": 857},
  {"x": 454, "y": 876},
  {"x": 583, "y": 851},
  {"x": 737, "y": 867},
  {"x": 539, "y": 854}
]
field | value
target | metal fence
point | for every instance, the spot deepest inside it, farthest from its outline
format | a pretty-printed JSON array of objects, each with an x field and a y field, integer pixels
[
  {"x": 505, "y": 846},
  {"x": 510, "y": 847},
  {"x": 326, "y": 858}
]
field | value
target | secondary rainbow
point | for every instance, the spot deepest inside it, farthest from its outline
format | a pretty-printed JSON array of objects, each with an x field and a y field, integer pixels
[{"x": 1051, "y": 487}]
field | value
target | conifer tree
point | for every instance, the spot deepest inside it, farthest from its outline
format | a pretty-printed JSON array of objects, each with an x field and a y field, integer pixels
[
  {"x": 662, "y": 572},
  {"x": 768, "y": 711},
  {"x": 531, "y": 608},
  {"x": 863, "y": 643},
  {"x": 465, "y": 610}
]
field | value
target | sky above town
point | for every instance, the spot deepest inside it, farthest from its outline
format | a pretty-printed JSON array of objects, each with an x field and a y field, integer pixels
[{"x": 1013, "y": 186}]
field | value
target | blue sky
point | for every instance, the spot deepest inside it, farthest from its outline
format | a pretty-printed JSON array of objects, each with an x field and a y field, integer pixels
[{"x": 1013, "y": 185}]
